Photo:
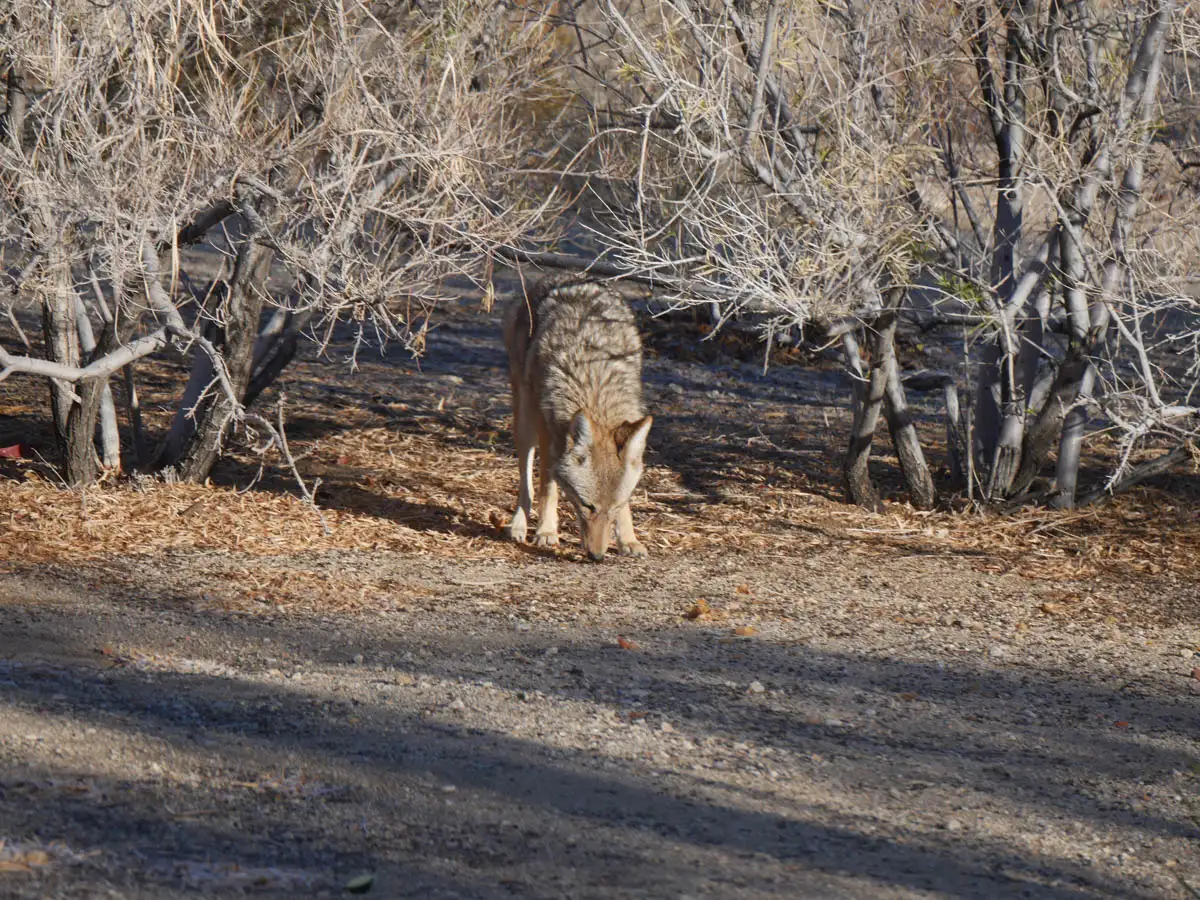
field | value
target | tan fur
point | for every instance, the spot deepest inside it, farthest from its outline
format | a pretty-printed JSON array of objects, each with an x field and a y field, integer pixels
[{"x": 575, "y": 364}]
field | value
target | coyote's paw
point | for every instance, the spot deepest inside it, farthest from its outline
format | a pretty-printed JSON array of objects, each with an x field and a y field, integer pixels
[
  {"x": 517, "y": 529},
  {"x": 635, "y": 548},
  {"x": 546, "y": 539}
]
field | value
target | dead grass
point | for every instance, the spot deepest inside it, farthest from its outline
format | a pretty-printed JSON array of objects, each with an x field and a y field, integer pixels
[{"x": 418, "y": 494}]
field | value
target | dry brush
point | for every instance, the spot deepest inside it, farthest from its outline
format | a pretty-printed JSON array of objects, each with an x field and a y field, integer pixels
[
  {"x": 337, "y": 161},
  {"x": 1013, "y": 171}
]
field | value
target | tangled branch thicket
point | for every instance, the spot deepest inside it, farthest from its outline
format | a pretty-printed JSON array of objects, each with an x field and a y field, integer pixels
[
  {"x": 343, "y": 159},
  {"x": 1017, "y": 171}
]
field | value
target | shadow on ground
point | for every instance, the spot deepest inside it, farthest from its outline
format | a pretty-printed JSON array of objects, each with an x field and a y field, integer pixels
[{"x": 537, "y": 817}]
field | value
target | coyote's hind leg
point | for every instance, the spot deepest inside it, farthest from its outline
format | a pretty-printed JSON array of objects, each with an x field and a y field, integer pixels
[{"x": 525, "y": 436}]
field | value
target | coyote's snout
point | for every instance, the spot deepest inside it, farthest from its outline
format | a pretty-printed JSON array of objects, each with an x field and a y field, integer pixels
[{"x": 575, "y": 362}]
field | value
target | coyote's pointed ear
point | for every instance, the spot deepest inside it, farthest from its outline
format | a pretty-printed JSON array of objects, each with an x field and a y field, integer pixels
[
  {"x": 631, "y": 438},
  {"x": 581, "y": 432}
]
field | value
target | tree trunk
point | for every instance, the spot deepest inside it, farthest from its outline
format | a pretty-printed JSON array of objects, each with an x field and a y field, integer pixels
[
  {"x": 1070, "y": 447},
  {"x": 81, "y": 463},
  {"x": 987, "y": 407},
  {"x": 61, "y": 335},
  {"x": 110, "y": 437},
  {"x": 110, "y": 432},
  {"x": 190, "y": 408},
  {"x": 854, "y": 364},
  {"x": 1041, "y": 437},
  {"x": 996, "y": 425},
  {"x": 906, "y": 440},
  {"x": 1007, "y": 457},
  {"x": 872, "y": 394},
  {"x": 76, "y": 407},
  {"x": 243, "y": 309},
  {"x": 957, "y": 448}
]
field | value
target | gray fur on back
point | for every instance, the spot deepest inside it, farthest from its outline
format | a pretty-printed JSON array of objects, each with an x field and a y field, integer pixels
[{"x": 583, "y": 348}]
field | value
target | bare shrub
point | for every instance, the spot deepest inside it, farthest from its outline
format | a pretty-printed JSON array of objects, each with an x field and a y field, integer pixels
[
  {"x": 344, "y": 158},
  {"x": 997, "y": 161}
]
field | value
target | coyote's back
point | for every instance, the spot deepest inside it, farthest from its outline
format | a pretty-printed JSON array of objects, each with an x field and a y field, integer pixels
[{"x": 575, "y": 362}]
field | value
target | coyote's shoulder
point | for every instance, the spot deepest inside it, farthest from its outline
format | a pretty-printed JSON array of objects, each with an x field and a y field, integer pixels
[{"x": 580, "y": 350}]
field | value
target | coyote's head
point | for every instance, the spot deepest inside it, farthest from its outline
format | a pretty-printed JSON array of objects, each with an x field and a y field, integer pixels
[{"x": 598, "y": 471}]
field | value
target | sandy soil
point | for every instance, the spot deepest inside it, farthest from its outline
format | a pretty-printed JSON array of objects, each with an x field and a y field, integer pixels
[{"x": 788, "y": 699}]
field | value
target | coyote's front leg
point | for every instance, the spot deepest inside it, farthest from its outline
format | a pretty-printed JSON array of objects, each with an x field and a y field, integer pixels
[
  {"x": 547, "y": 530},
  {"x": 627, "y": 542}
]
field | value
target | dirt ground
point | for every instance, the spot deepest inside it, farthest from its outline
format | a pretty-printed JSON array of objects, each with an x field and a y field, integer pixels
[{"x": 205, "y": 692}]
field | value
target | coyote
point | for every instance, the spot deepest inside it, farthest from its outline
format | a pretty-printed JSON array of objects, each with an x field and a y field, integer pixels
[{"x": 575, "y": 364}]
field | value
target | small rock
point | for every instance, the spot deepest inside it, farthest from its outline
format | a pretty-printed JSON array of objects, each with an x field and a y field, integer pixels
[
  {"x": 756, "y": 687},
  {"x": 448, "y": 789},
  {"x": 953, "y": 825},
  {"x": 523, "y": 626},
  {"x": 675, "y": 388},
  {"x": 551, "y": 651},
  {"x": 457, "y": 705},
  {"x": 358, "y": 659},
  {"x": 666, "y": 727},
  {"x": 996, "y": 651}
]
